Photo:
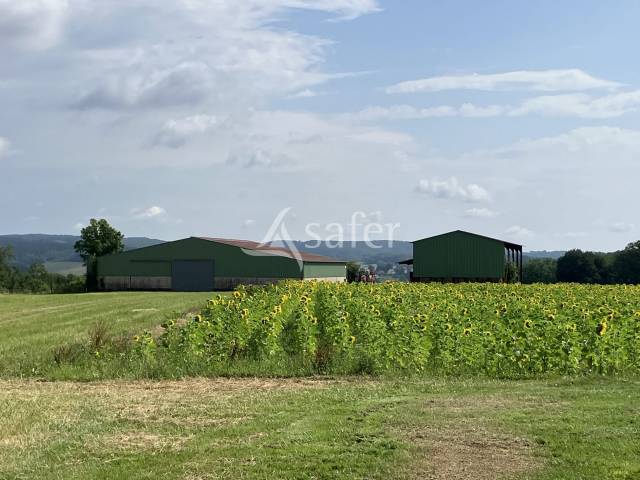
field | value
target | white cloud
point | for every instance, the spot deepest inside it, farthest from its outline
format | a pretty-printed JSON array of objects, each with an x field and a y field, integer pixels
[
  {"x": 249, "y": 222},
  {"x": 147, "y": 213},
  {"x": 383, "y": 137},
  {"x": 306, "y": 93},
  {"x": 480, "y": 213},
  {"x": 302, "y": 141},
  {"x": 346, "y": 9},
  {"x": 539, "y": 80},
  {"x": 580, "y": 146},
  {"x": 408, "y": 112},
  {"x": 5, "y": 147},
  {"x": 32, "y": 24},
  {"x": 78, "y": 226},
  {"x": 452, "y": 189},
  {"x": 260, "y": 158},
  {"x": 580, "y": 105},
  {"x": 176, "y": 132},
  {"x": 572, "y": 234},
  {"x": 232, "y": 57},
  {"x": 621, "y": 227},
  {"x": 186, "y": 83},
  {"x": 516, "y": 231}
]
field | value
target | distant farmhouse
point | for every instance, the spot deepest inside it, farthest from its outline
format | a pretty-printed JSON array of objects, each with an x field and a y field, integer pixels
[
  {"x": 463, "y": 257},
  {"x": 206, "y": 264}
]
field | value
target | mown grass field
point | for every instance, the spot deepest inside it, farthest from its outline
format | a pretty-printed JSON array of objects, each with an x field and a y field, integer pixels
[
  {"x": 316, "y": 427},
  {"x": 32, "y": 325},
  {"x": 320, "y": 428}
]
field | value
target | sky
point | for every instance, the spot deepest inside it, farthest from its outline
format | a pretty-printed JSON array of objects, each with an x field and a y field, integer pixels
[{"x": 170, "y": 118}]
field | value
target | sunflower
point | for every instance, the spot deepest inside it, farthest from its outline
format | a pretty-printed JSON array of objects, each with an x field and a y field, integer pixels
[
  {"x": 602, "y": 328},
  {"x": 197, "y": 318},
  {"x": 466, "y": 331},
  {"x": 527, "y": 323},
  {"x": 352, "y": 339}
]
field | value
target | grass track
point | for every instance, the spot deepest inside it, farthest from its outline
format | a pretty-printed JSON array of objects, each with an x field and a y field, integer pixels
[
  {"x": 320, "y": 428},
  {"x": 31, "y": 325}
]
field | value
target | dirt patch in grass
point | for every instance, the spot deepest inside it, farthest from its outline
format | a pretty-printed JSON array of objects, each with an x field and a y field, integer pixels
[
  {"x": 456, "y": 452},
  {"x": 464, "y": 444},
  {"x": 190, "y": 386},
  {"x": 16, "y": 441},
  {"x": 488, "y": 402},
  {"x": 136, "y": 441}
]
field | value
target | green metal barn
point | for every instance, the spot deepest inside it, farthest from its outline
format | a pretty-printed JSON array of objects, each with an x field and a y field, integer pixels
[
  {"x": 463, "y": 256},
  {"x": 205, "y": 264}
]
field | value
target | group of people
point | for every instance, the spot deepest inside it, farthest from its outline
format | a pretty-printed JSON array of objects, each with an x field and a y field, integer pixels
[{"x": 366, "y": 277}]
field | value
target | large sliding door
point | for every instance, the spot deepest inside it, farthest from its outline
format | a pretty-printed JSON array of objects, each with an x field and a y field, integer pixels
[{"x": 192, "y": 276}]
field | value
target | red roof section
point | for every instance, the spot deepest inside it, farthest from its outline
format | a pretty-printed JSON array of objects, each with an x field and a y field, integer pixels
[{"x": 269, "y": 249}]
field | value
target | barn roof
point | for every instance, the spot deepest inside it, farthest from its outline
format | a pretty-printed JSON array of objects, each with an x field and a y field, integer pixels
[
  {"x": 514, "y": 246},
  {"x": 272, "y": 250}
]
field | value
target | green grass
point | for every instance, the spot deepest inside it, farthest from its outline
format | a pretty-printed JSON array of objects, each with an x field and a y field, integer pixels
[
  {"x": 320, "y": 428},
  {"x": 32, "y": 325}
]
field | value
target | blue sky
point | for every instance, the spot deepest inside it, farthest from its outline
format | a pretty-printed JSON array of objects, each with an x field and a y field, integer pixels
[{"x": 199, "y": 117}]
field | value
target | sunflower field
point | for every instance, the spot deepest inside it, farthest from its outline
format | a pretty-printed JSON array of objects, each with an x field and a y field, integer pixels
[{"x": 496, "y": 330}]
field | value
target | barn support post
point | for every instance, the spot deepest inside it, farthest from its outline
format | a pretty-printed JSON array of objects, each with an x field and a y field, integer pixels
[{"x": 521, "y": 264}]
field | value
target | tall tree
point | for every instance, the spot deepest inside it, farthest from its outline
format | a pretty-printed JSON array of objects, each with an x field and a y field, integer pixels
[
  {"x": 539, "y": 270},
  {"x": 7, "y": 271},
  {"x": 36, "y": 279},
  {"x": 97, "y": 239},
  {"x": 627, "y": 264},
  {"x": 584, "y": 267},
  {"x": 352, "y": 271}
]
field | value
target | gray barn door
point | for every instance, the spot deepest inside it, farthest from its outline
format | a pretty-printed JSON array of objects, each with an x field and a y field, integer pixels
[{"x": 192, "y": 276}]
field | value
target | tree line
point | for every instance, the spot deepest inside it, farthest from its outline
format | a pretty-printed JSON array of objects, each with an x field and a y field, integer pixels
[
  {"x": 35, "y": 279},
  {"x": 587, "y": 267},
  {"x": 96, "y": 239}
]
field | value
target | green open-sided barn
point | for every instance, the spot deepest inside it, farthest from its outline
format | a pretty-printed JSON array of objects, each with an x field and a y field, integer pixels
[
  {"x": 205, "y": 264},
  {"x": 463, "y": 256}
]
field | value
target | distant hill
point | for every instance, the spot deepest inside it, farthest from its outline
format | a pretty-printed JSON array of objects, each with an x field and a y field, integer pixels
[
  {"x": 56, "y": 251},
  {"x": 555, "y": 254},
  {"x": 359, "y": 251}
]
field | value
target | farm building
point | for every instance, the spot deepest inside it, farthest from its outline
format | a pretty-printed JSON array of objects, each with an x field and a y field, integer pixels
[
  {"x": 463, "y": 256},
  {"x": 205, "y": 264}
]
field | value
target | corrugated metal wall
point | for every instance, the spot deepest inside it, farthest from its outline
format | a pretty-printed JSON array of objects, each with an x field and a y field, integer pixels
[
  {"x": 230, "y": 261},
  {"x": 458, "y": 255},
  {"x": 325, "y": 270}
]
